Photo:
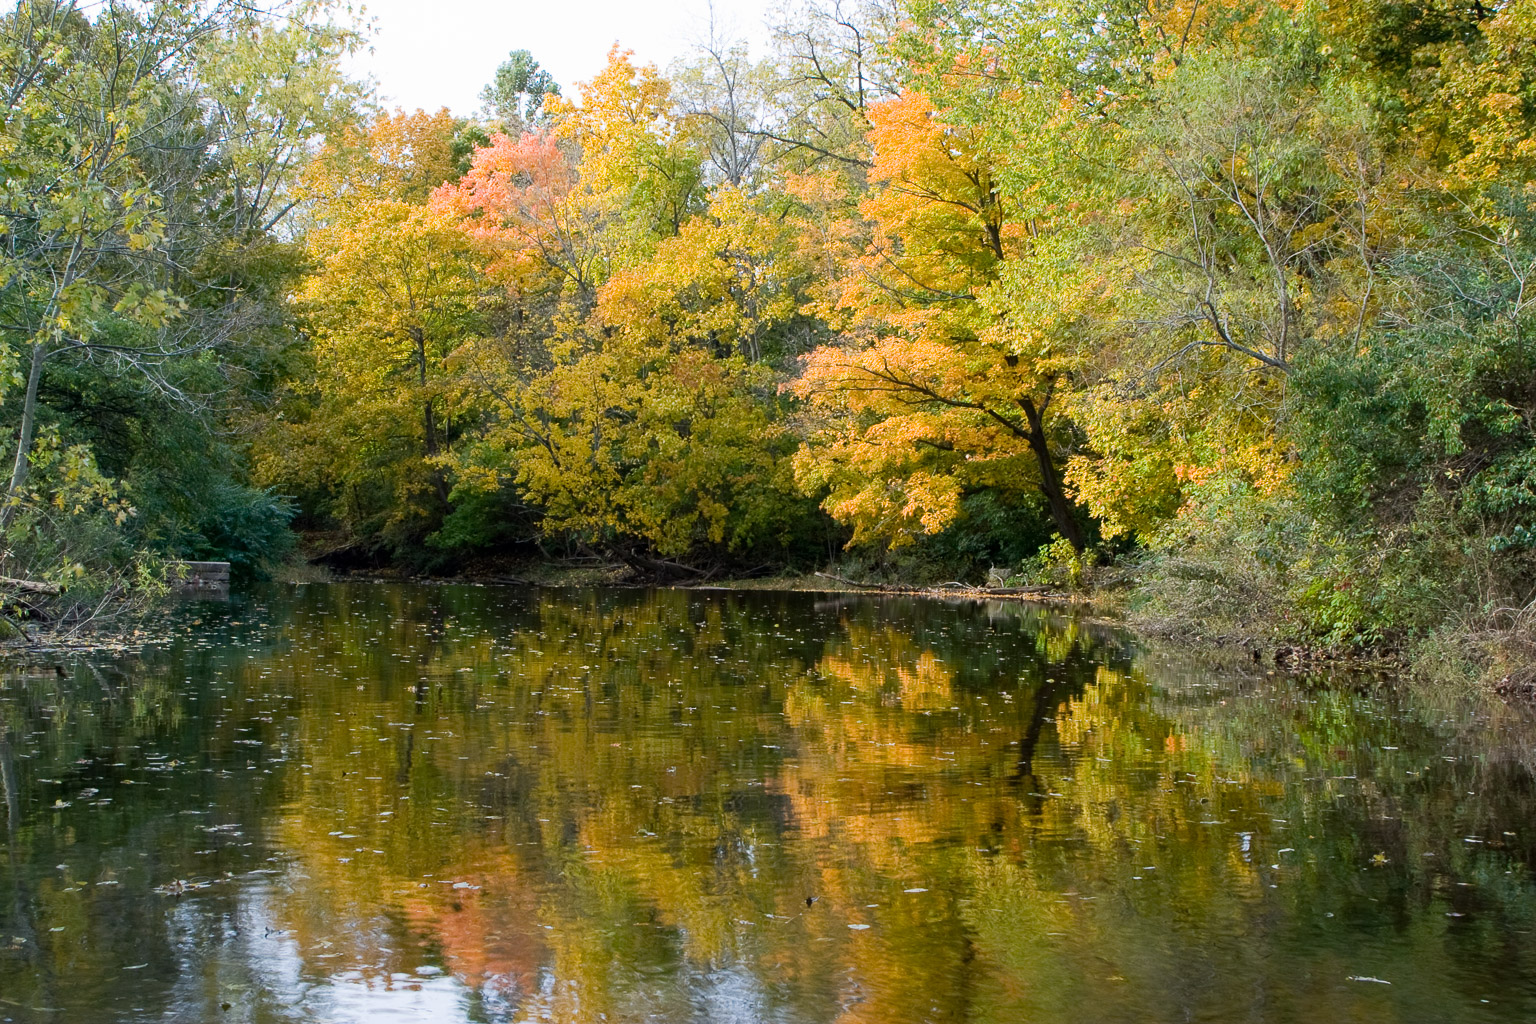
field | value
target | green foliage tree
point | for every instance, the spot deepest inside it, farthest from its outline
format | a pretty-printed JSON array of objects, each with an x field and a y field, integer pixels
[
  {"x": 150, "y": 153},
  {"x": 516, "y": 95}
]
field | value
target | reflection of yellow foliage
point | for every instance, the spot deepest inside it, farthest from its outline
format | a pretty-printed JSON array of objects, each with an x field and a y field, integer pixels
[
  {"x": 651, "y": 776},
  {"x": 888, "y": 664}
]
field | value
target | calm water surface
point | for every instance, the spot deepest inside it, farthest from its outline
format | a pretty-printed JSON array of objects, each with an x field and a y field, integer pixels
[{"x": 373, "y": 803}]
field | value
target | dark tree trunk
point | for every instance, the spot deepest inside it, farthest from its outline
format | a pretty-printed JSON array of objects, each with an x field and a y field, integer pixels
[
  {"x": 429, "y": 426},
  {"x": 1050, "y": 479},
  {"x": 428, "y": 416}
]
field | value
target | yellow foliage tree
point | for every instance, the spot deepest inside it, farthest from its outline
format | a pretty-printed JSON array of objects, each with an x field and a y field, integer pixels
[
  {"x": 395, "y": 292},
  {"x": 657, "y": 431}
]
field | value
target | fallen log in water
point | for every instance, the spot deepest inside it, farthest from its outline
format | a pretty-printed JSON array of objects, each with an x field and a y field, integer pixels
[{"x": 199, "y": 575}]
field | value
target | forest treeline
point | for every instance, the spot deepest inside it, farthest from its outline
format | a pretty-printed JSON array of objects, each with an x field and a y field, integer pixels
[{"x": 1227, "y": 301}]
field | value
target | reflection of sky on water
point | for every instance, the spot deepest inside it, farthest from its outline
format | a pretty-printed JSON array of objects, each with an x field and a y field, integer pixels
[
  {"x": 246, "y": 959},
  {"x": 399, "y": 998}
]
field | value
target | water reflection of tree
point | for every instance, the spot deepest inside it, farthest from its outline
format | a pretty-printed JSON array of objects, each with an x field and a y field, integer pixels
[
  {"x": 618, "y": 803},
  {"x": 659, "y": 789}
]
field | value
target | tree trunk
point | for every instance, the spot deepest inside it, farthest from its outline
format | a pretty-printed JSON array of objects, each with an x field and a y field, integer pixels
[
  {"x": 24, "y": 440},
  {"x": 429, "y": 425},
  {"x": 1050, "y": 479},
  {"x": 428, "y": 416},
  {"x": 429, "y": 429}
]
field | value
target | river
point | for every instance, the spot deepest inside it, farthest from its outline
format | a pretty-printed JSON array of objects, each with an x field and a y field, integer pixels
[{"x": 374, "y": 802}]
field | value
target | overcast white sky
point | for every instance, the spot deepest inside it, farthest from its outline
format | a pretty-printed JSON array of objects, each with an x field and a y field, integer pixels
[{"x": 431, "y": 55}]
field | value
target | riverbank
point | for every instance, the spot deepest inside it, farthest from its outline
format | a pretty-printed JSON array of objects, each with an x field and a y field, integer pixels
[
  {"x": 1500, "y": 657},
  {"x": 1108, "y": 597},
  {"x": 1499, "y": 660}
]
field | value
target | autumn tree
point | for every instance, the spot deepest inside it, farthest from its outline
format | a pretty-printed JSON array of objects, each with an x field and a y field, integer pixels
[
  {"x": 639, "y": 170},
  {"x": 394, "y": 294},
  {"x": 938, "y": 387},
  {"x": 657, "y": 433}
]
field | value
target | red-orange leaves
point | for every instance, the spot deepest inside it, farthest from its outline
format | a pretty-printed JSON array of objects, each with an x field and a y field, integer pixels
[{"x": 517, "y": 200}]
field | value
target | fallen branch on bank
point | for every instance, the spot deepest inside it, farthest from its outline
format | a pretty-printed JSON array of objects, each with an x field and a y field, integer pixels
[
  {"x": 855, "y": 583},
  {"x": 31, "y": 586},
  {"x": 952, "y": 587},
  {"x": 663, "y": 569}
]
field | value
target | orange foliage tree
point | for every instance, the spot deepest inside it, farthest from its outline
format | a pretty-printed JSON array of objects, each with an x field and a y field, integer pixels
[{"x": 937, "y": 387}]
